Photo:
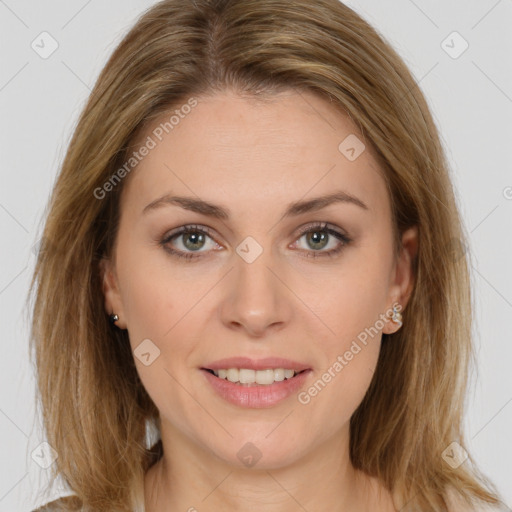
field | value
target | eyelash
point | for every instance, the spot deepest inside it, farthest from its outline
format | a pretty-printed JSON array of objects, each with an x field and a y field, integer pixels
[{"x": 311, "y": 228}]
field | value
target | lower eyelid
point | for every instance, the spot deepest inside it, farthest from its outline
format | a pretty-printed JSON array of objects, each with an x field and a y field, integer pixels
[
  {"x": 342, "y": 238},
  {"x": 343, "y": 242},
  {"x": 165, "y": 242}
]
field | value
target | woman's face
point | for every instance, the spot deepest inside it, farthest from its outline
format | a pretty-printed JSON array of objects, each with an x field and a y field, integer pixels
[{"x": 258, "y": 276}]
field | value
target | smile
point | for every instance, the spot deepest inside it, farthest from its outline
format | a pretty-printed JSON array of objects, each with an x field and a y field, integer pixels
[
  {"x": 240, "y": 387},
  {"x": 247, "y": 376}
]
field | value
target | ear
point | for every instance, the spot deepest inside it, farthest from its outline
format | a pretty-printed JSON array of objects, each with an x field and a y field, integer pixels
[
  {"x": 113, "y": 302},
  {"x": 402, "y": 283}
]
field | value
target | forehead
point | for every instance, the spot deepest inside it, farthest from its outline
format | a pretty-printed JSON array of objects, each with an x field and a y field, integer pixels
[{"x": 241, "y": 151}]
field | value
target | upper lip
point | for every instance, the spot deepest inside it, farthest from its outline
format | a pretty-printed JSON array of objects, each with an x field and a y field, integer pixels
[{"x": 256, "y": 364}]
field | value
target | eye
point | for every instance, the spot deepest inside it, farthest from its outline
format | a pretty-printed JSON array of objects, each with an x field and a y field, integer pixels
[
  {"x": 320, "y": 235},
  {"x": 194, "y": 238}
]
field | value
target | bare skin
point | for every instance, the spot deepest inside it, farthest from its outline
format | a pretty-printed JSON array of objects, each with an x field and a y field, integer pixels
[{"x": 254, "y": 159}]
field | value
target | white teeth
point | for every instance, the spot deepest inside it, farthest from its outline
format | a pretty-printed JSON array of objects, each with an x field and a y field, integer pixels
[
  {"x": 232, "y": 374},
  {"x": 278, "y": 374},
  {"x": 248, "y": 376},
  {"x": 265, "y": 377}
]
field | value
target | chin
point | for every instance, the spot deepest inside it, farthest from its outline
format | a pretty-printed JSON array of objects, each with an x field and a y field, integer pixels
[{"x": 259, "y": 453}]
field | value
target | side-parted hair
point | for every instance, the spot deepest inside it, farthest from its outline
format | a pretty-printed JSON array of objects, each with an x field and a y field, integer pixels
[{"x": 93, "y": 405}]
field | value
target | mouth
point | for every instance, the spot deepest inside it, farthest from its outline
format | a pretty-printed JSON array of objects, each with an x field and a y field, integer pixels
[
  {"x": 255, "y": 389},
  {"x": 248, "y": 377}
]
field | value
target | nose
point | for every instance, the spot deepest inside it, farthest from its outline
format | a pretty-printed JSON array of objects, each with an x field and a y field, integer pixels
[{"x": 257, "y": 299}]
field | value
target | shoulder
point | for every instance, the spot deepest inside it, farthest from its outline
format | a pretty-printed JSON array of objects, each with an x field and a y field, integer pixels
[{"x": 66, "y": 504}]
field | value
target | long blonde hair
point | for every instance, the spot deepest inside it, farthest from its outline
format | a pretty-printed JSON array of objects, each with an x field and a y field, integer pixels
[{"x": 94, "y": 407}]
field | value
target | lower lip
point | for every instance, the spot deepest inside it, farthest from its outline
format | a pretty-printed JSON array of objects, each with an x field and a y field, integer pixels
[{"x": 256, "y": 396}]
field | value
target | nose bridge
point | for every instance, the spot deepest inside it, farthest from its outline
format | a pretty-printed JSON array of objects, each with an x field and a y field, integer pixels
[
  {"x": 254, "y": 276},
  {"x": 256, "y": 298}
]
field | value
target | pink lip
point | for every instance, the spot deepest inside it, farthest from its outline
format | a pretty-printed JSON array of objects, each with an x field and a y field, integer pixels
[
  {"x": 256, "y": 396},
  {"x": 256, "y": 364}
]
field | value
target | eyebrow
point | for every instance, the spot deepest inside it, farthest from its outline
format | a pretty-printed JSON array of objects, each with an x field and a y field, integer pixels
[{"x": 219, "y": 212}]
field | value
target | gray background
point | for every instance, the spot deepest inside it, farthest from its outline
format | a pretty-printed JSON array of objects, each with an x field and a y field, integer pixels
[{"x": 470, "y": 96}]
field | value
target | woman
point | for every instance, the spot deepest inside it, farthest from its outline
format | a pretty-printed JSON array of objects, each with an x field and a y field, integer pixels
[{"x": 259, "y": 303}]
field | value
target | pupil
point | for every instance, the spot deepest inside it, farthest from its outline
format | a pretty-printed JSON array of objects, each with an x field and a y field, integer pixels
[
  {"x": 197, "y": 238},
  {"x": 318, "y": 238}
]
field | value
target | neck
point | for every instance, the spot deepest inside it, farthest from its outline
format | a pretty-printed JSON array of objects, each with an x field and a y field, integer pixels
[{"x": 189, "y": 478}]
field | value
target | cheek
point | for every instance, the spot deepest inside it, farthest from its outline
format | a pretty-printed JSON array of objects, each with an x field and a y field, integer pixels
[
  {"x": 156, "y": 309},
  {"x": 340, "y": 384},
  {"x": 352, "y": 304},
  {"x": 159, "y": 307},
  {"x": 351, "y": 310},
  {"x": 148, "y": 306},
  {"x": 150, "y": 294}
]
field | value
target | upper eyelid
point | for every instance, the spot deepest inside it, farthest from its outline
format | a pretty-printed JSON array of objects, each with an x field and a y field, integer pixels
[{"x": 301, "y": 231}]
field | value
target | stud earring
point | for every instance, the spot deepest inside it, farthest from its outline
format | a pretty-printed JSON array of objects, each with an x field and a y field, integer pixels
[
  {"x": 397, "y": 316},
  {"x": 113, "y": 318}
]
